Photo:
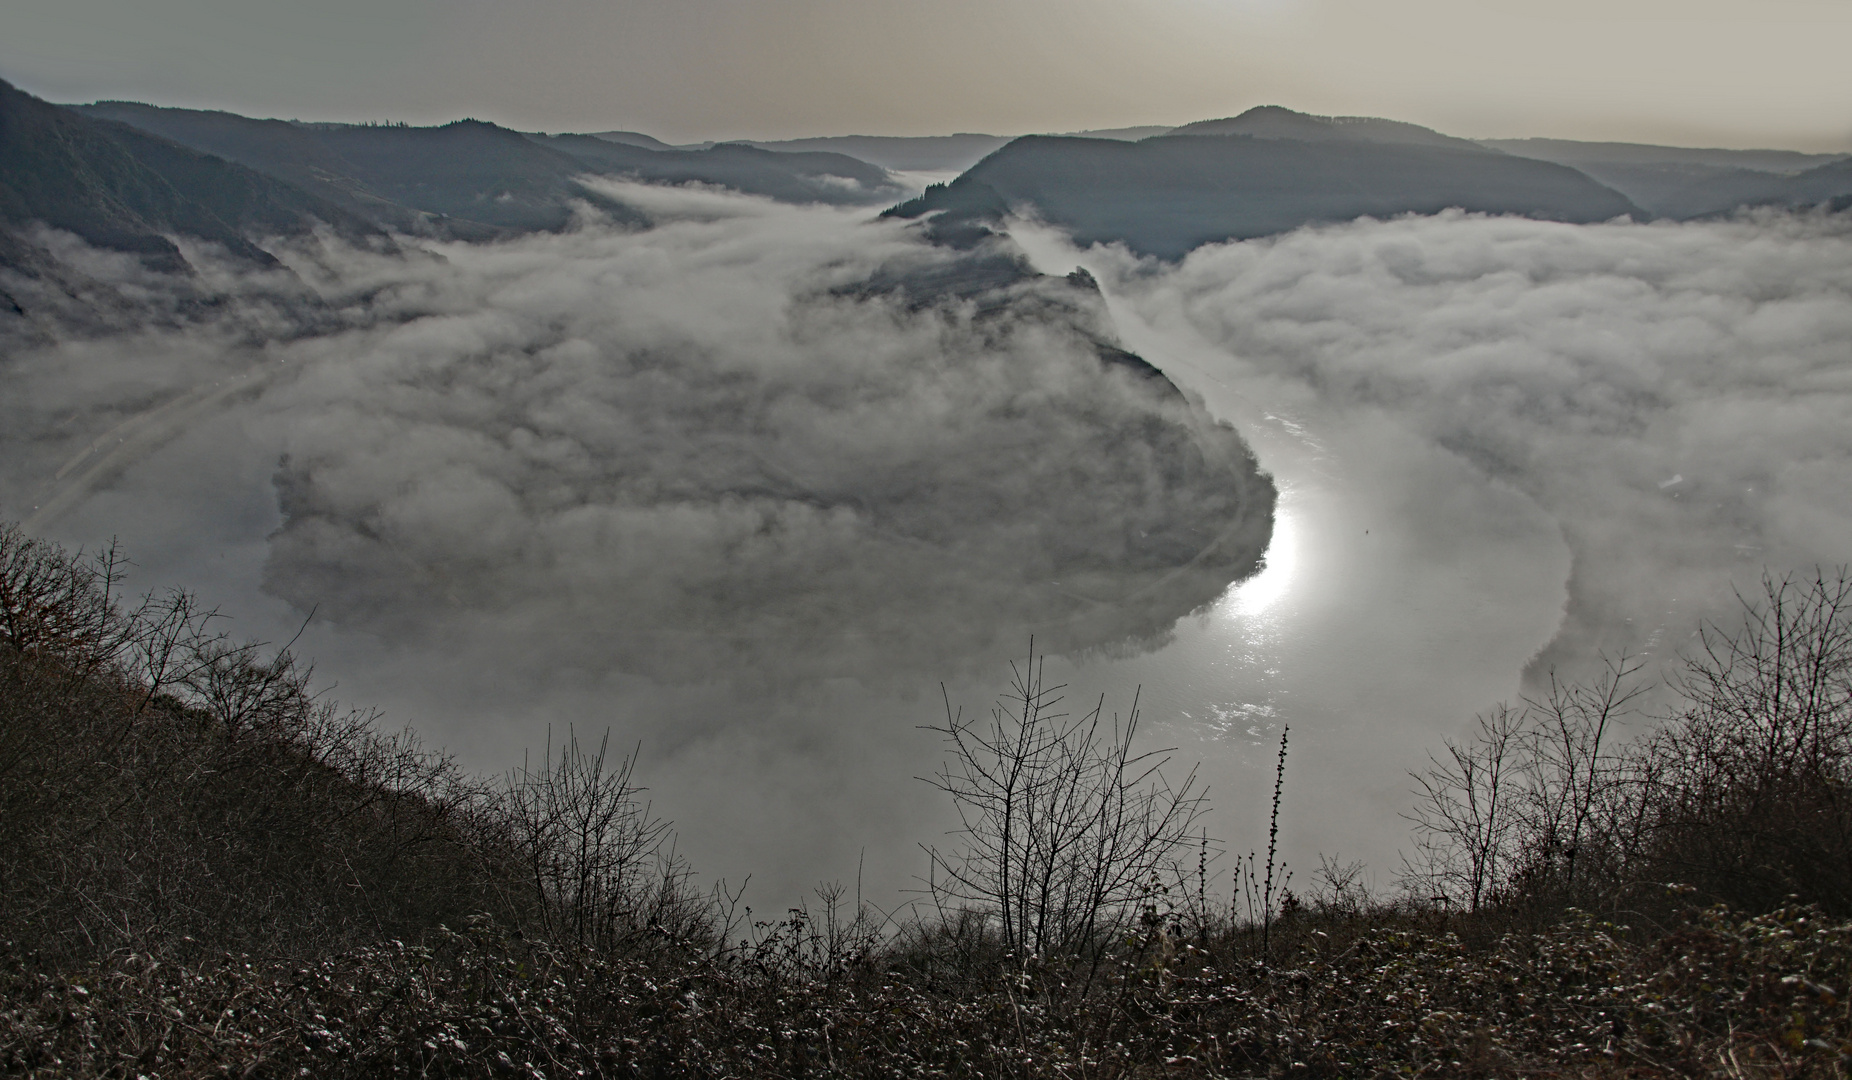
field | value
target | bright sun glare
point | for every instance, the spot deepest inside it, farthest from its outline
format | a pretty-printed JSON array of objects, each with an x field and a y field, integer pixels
[{"x": 1260, "y": 592}]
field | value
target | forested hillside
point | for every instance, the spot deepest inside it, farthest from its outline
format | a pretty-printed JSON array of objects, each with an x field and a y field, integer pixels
[{"x": 207, "y": 869}]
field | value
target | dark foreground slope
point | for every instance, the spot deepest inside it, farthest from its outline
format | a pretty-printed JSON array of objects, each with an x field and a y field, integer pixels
[
  {"x": 206, "y": 872},
  {"x": 471, "y": 178},
  {"x": 1166, "y": 195},
  {"x": 124, "y": 189}
]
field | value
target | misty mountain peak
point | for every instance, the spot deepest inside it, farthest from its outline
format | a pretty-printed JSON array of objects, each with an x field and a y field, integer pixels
[{"x": 1279, "y": 122}]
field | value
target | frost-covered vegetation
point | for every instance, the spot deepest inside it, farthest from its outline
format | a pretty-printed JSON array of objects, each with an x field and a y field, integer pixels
[{"x": 207, "y": 870}]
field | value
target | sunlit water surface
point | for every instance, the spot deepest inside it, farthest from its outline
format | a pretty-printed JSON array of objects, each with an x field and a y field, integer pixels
[{"x": 1374, "y": 631}]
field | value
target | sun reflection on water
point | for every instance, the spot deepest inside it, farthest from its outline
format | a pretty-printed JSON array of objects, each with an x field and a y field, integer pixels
[
  {"x": 1242, "y": 644},
  {"x": 1257, "y": 594}
]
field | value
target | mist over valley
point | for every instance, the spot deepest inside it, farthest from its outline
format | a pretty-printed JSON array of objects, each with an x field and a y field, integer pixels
[{"x": 742, "y": 450}]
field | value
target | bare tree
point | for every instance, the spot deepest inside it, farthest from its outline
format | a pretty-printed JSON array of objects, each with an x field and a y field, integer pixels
[
  {"x": 54, "y": 601},
  {"x": 1747, "y": 794},
  {"x": 1340, "y": 887},
  {"x": 1774, "y": 696},
  {"x": 1465, "y": 813},
  {"x": 1576, "y": 770},
  {"x": 1738, "y": 792},
  {"x": 1064, "y": 827},
  {"x": 595, "y": 854}
]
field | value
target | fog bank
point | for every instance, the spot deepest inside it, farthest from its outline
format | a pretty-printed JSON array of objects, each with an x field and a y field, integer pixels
[
  {"x": 1676, "y": 397},
  {"x": 741, "y": 486},
  {"x": 1503, "y": 447}
]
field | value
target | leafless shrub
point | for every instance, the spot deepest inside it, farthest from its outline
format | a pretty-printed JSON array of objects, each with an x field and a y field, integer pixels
[
  {"x": 1465, "y": 814},
  {"x": 1744, "y": 791},
  {"x": 1340, "y": 888},
  {"x": 1065, "y": 827},
  {"x": 58, "y": 603},
  {"x": 203, "y": 866},
  {"x": 161, "y": 784},
  {"x": 1740, "y": 790},
  {"x": 1579, "y": 780},
  {"x": 595, "y": 856}
]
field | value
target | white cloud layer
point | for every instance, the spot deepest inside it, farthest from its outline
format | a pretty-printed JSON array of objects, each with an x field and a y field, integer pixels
[
  {"x": 1502, "y": 446},
  {"x": 673, "y": 480},
  {"x": 1677, "y": 397},
  {"x": 1502, "y": 443}
]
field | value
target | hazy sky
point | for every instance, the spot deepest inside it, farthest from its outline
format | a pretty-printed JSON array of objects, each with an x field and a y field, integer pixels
[{"x": 1691, "y": 72}]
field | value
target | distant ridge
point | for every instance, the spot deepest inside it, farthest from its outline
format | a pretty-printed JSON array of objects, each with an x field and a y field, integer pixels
[
  {"x": 901, "y": 153},
  {"x": 813, "y": 177},
  {"x": 1124, "y": 134},
  {"x": 474, "y": 180},
  {"x": 1830, "y": 184},
  {"x": 1266, "y": 171},
  {"x": 929, "y": 153},
  {"x": 1277, "y": 122},
  {"x": 632, "y": 138},
  {"x": 1689, "y": 182},
  {"x": 122, "y": 188},
  {"x": 1574, "y": 152},
  {"x": 468, "y": 179}
]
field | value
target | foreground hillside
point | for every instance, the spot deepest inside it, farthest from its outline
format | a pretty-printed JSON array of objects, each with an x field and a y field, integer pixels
[
  {"x": 1344, "y": 996},
  {"x": 207, "y": 870}
]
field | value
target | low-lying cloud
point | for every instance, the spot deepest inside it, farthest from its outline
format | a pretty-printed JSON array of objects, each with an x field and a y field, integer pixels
[
  {"x": 697, "y": 449},
  {"x": 670, "y": 480},
  {"x": 1503, "y": 446},
  {"x": 1677, "y": 397},
  {"x": 703, "y": 446},
  {"x": 574, "y": 478}
]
